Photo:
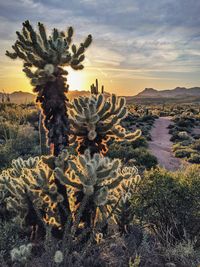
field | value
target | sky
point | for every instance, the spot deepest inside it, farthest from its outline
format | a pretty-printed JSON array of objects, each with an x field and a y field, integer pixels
[{"x": 136, "y": 43}]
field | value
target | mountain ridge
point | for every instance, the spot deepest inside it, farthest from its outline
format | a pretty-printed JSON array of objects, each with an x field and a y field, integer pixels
[
  {"x": 178, "y": 92},
  {"x": 148, "y": 94}
]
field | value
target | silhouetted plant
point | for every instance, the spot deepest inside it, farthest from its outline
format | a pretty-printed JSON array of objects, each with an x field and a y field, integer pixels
[
  {"x": 49, "y": 55},
  {"x": 94, "y": 89}
]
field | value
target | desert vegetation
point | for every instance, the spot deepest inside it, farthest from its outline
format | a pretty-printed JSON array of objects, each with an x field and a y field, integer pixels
[
  {"x": 78, "y": 184},
  {"x": 186, "y": 137}
]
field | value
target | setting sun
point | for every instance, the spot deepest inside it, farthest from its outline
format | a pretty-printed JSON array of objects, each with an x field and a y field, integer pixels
[{"x": 76, "y": 80}]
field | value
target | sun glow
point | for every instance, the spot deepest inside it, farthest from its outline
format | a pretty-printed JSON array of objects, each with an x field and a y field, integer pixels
[{"x": 76, "y": 80}]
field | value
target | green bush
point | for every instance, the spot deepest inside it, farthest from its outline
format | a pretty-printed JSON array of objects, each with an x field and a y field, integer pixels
[
  {"x": 22, "y": 140},
  {"x": 142, "y": 158},
  {"x": 195, "y": 158},
  {"x": 196, "y": 145},
  {"x": 169, "y": 203},
  {"x": 181, "y": 153}
]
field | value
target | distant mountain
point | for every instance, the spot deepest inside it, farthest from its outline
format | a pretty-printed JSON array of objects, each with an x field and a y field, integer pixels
[
  {"x": 20, "y": 97},
  {"x": 148, "y": 95},
  {"x": 178, "y": 92}
]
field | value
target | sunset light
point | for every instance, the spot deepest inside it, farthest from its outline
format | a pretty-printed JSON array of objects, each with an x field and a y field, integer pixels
[
  {"x": 76, "y": 80},
  {"x": 100, "y": 133}
]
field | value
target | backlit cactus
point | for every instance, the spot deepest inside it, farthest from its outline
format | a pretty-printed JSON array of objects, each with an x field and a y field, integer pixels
[
  {"x": 44, "y": 60},
  {"x": 33, "y": 192},
  {"x": 123, "y": 213},
  {"x": 96, "y": 177},
  {"x": 94, "y": 89},
  {"x": 66, "y": 192},
  {"x": 94, "y": 120},
  {"x": 21, "y": 254}
]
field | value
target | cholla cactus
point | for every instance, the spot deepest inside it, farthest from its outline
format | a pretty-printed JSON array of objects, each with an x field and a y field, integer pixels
[
  {"x": 123, "y": 213},
  {"x": 58, "y": 257},
  {"x": 97, "y": 178},
  {"x": 21, "y": 198},
  {"x": 49, "y": 55},
  {"x": 21, "y": 254},
  {"x": 34, "y": 194},
  {"x": 95, "y": 120}
]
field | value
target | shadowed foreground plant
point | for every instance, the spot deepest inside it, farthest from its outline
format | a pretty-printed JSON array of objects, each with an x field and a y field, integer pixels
[{"x": 32, "y": 190}]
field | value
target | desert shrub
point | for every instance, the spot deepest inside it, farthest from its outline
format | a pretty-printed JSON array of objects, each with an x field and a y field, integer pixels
[
  {"x": 8, "y": 130},
  {"x": 140, "y": 142},
  {"x": 171, "y": 126},
  {"x": 183, "y": 135},
  {"x": 140, "y": 121},
  {"x": 195, "y": 158},
  {"x": 10, "y": 236},
  {"x": 196, "y": 145},
  {"x": 32, "y": 117},
  {"x": 183, "y": 153},
  {"x": 196, "y": 136},
  {"x": 20, "y": 140},
  {"x": 187, "y": 142},
  {"x": 27, "y": 141},
  {"x": 183, "y": 253},
  {"x": 142, "y": 158},
  {"x": 169, "y": 203},
  {"x": 183, "y": 146},
  {"x": 6, "y": 154}
]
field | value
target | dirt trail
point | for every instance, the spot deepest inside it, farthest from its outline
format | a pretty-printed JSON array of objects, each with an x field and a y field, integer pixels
[
  {"x": 161, "y": 146},
  {"x": 196, "y": 130}
]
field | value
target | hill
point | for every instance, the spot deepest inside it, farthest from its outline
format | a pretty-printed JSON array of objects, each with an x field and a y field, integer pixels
[
  {"x": 20, "y": 97},
  {"x": 147, "y": 96},
  {"x": 178, "y": 95}
]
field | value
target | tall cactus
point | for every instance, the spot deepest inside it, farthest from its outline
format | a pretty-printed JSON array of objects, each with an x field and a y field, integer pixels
[
  {"x": 94, "y": 120},
  {"x": 49, "y": 55}
]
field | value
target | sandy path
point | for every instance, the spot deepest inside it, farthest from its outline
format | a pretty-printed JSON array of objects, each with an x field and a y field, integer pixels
[
  {"x": 196, "y": 130},
  {"x": 161, "y": 146}
]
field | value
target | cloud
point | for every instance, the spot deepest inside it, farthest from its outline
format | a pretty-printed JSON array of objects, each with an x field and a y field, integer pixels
[{"x": 150, "y": 39}]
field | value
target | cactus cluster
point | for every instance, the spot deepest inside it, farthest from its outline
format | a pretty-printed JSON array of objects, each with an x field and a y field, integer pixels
[
  {"x": 66, "y": 191},
  {"x": 96, "y": 177},
  {"x": 94, "y": 89},
  {"x": 49, "y": 56},
  {"x": 19, "y": 198},
  {"x": 33, "y": 192},
  {"x": 94, "y": 120}
]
